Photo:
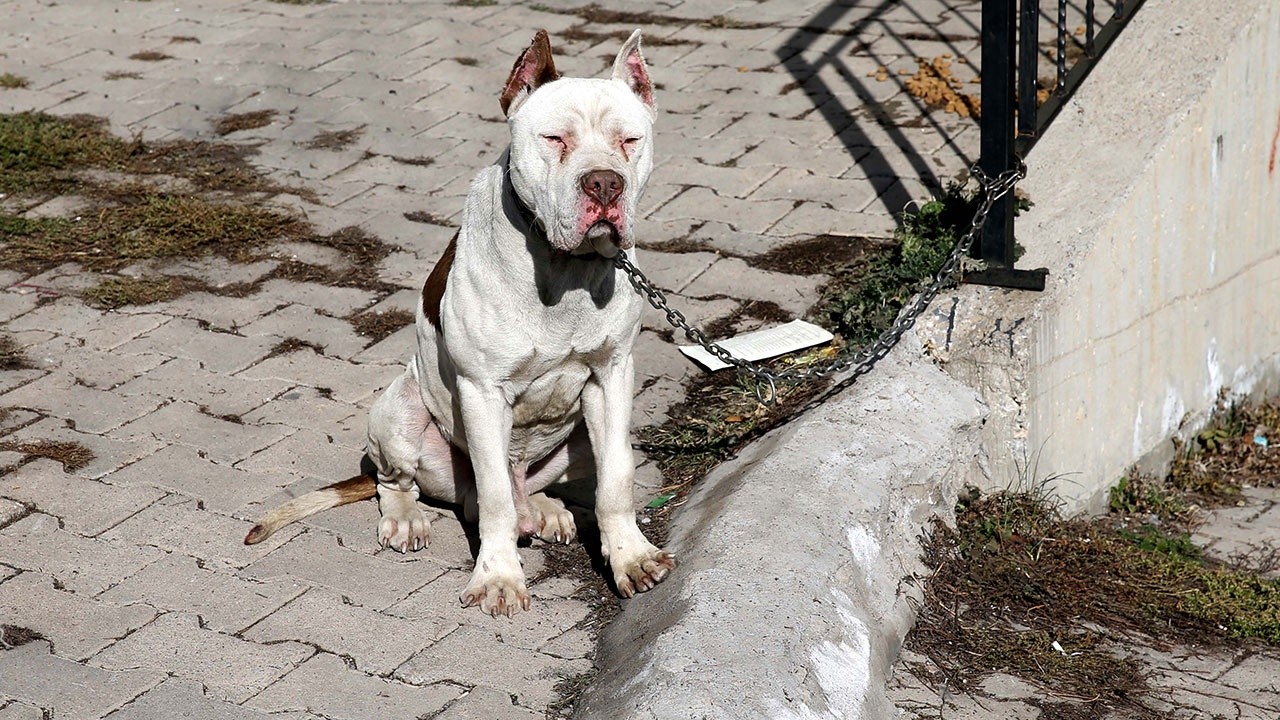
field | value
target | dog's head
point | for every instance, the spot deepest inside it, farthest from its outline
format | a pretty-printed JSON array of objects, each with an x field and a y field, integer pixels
[{"x": 581, "y": 149}]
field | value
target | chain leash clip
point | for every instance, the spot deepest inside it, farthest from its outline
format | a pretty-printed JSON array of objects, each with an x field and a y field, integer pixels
[{"x": 859, "y": 361}]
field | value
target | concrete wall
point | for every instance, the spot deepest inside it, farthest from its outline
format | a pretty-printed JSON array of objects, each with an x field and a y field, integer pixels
[{"x": 1157, "y": 196}]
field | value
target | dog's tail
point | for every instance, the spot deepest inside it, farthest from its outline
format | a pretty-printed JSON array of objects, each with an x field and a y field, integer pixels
[{"x": 360, "y": 487}]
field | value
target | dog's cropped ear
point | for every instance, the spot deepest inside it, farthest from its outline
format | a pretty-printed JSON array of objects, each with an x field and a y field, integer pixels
[
  {"x": 533, "y": 69},
  {"x": 630, "y": 68}
]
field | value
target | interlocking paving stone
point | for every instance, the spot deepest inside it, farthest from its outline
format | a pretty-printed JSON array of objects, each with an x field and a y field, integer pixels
[
  {"x": 376, "y": 643},
  {"x": 220, "y": 440},
  {"x": 181, "y": 469},
  {"x": 484, "y": 702},
  {"x": 231, "y": 668},
  {"x": 184, "y": 525},
  {"x": 225, "y": 602},
  {"x": 93, "y": 411},
  {"x": 80, "y": 564},
  {"x": 85, "y": 507},
  {"x": 77, "y": 626},
  {"x": 529, "y": 676},
  {"x": 179, "y": 699},
  {"x": 316, "y": 557},
  {"x": 32, "y": 675},
  {"x": 325, "y": 684}
]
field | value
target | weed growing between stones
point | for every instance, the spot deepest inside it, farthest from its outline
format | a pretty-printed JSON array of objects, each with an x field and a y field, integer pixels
[
  {"x": 9, "y": 81},
  {"x": 236, "y": 122},
  {"x": 376, "y": 326},
  {"x": 1013, "y": 577},
  {"x": 72, "y": 455}
]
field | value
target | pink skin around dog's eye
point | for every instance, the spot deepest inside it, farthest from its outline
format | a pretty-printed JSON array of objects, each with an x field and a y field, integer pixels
[
  {"x": 559, "y": 144},
  {"x": 629, "y": 146}
]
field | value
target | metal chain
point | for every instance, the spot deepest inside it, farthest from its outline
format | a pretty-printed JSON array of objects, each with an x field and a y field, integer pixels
[{"x": 766, "y": 388}]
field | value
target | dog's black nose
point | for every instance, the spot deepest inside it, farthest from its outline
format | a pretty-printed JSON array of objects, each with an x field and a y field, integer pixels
[{"x": 603, "y": 186}]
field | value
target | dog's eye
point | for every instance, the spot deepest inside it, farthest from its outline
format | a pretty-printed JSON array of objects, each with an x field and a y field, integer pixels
[{"x": 555, "y": 140}]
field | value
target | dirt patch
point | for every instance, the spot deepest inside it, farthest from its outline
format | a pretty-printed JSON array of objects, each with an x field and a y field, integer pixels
[
  {"x": 148, "y": 226},
  {"x": 236, "y": 122},
  {"x": 11, "y": 356},
  {"x": 333, "y": 139},
  {"x": 378, "y": 325},
  {"x": 150, "y": 56},
  {"x": 43, "y": 155},
  {"x": 118, "y": 75},
  {"x": 594, "y": 13},
  {"x": 177, "y": 39},
  {"x": 73, "y": 456},
  {"x": 825, "y": 254},
  {"x": 422, "y": 216},
  {"x": 9, "y": 81}
]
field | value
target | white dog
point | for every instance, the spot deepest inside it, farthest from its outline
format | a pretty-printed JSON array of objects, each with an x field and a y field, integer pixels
[{"x": 523, "y": 372}]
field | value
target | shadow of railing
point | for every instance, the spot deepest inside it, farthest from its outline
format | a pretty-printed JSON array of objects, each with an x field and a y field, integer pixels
[{"x": 829, "y": 58}]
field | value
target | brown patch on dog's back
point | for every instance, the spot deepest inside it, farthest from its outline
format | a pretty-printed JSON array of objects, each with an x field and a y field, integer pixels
[{"x": 433, "y": 289}]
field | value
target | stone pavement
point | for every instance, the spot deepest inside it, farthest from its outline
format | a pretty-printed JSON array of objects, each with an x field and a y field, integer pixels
[{"x": 780, "y": 121}]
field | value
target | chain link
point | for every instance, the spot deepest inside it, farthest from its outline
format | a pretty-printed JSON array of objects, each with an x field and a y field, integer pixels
[{"x": 766, "y": 380}]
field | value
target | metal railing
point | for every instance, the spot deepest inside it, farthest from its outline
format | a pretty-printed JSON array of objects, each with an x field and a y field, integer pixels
[{"x": 1018, "y": 105}]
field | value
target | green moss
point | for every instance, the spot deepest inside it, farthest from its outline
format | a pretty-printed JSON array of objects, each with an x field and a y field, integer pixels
[
  {"x": 35, "y": 146},
  {"x": 154, "y": 226},
  {"x": 121, "y": 291}
]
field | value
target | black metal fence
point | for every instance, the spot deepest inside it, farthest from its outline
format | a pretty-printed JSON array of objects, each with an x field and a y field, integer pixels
[{"x": 1019, "y": 100}]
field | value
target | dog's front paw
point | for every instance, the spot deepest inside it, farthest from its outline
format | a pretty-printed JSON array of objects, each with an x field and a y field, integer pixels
[
  {"x": 640, "y": 569},
  {"x": 497, "y": 592},
  {"x": 404, "y": 529}
]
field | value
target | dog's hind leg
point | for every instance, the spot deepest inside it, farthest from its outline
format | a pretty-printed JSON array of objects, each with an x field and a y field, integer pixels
[
  {"x": 552, "y": 521},
  {"x": 409, "y": 452}
]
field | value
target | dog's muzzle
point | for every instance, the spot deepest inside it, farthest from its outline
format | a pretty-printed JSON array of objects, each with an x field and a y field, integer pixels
[{"x": 602, "y": 219}]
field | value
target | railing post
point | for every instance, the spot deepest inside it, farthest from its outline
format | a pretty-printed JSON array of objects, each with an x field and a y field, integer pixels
[
  {"x": 999, "y": 48},
  {"x": 998, "y": 43}
]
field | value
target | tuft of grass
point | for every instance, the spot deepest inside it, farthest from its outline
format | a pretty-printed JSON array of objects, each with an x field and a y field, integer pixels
[
  {"x": 45, "y": 154},
  {"x": 72, "y": 455},
  {"x": 117, "y": 75},
  {"x": 9, "y": 81},
  {"x": 474, "y": 3}
]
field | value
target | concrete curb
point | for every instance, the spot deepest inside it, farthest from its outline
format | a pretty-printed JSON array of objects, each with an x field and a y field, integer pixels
[{"x": 823, "y": 516}]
